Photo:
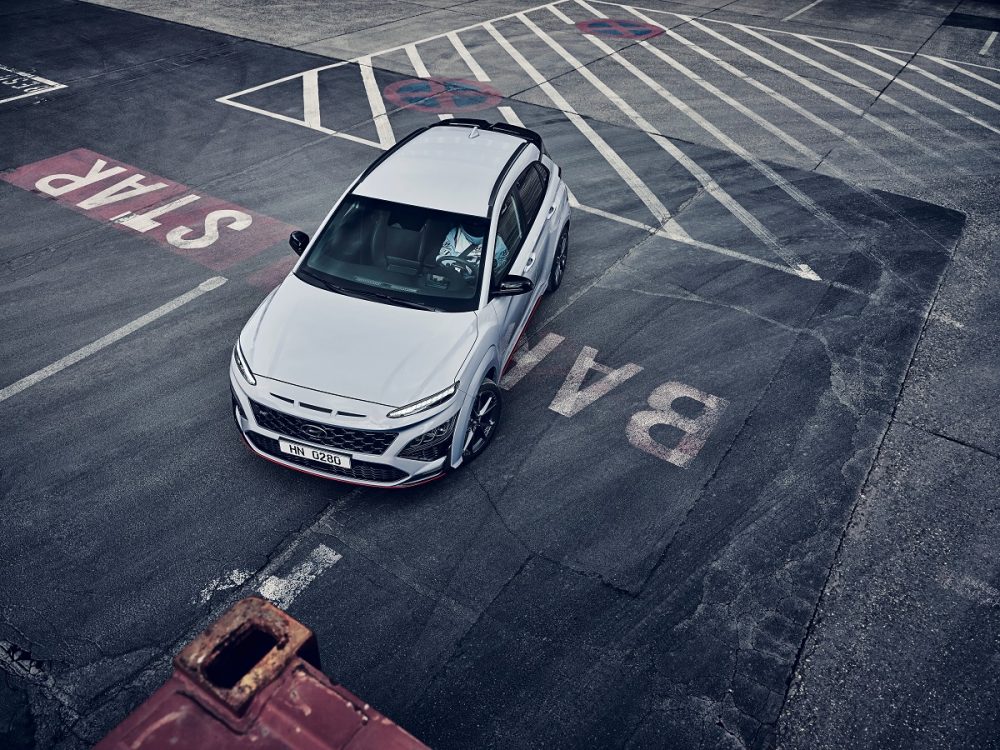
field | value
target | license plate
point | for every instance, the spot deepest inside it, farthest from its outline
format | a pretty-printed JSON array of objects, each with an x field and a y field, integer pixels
[{"x": 315, "y": 454}]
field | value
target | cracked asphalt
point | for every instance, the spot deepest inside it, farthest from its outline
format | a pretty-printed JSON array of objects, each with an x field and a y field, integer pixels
[{"x": 817, "y": 570}]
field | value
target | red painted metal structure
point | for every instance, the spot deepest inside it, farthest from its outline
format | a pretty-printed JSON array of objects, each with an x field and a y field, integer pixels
[{"x": 252, "y": 679}]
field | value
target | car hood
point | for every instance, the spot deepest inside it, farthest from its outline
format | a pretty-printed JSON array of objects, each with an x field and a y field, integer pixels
[{"x": 354, "y": 347}]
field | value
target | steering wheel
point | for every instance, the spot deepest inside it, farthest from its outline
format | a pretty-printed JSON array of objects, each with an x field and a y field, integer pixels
[{"x": 466, "y": 269}]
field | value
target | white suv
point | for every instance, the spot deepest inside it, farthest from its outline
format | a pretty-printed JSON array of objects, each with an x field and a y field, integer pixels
[{"x": 376, "y": 361}]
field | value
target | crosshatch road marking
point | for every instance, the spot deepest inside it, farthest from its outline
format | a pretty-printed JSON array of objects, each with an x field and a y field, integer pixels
[{"x": 747, "y": 49}]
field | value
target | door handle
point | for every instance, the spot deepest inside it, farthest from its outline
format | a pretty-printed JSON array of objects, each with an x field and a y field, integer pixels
[
  {"x": 552, "y": 210},
  {"x": 530, "y": 262}
]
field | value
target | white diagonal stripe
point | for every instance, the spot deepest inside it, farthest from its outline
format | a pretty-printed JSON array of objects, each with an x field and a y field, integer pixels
[
  {"x": 559, "y": 14},
  {"x": 904, "y": 84},
  {"x": 813, "y": 4},
  {"x": 418, "y": 64},
  {"x": 782, "y": 99},
  {"x": 82, "y": 353},
  {"x": 310, "y": 98},
  {"x": 858, "y": 85},
  {"x": 382, "y": 125},
  {"x": 989, "y": 43},
  {"x": 710, "y": 185},
  {"x": 510, "y": 116},
  {"x": 624, "y": 171},
  {"x": 475, "y": 67},
  {"x": 793, "y": 192},
  {"x": 812, "y": 87},
  {"x": 975, "y": 76},
  {"x": 937, "y": 79}
]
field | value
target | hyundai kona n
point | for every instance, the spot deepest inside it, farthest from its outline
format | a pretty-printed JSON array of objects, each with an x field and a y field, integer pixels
[{"x": 377, "y": 359}]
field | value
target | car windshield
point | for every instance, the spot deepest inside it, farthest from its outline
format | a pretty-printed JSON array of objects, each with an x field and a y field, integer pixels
[{"x": 398, "y": 254}]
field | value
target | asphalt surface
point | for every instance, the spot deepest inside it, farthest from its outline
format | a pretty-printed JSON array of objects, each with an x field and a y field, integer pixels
[{"x": 802, "y": 266}]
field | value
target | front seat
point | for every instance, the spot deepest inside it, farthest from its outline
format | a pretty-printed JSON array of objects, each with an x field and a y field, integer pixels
[{"x": 397, "y": 246}]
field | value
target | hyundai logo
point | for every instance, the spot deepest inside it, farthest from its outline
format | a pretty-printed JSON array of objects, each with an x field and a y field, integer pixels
[{"x": 314, "y": 431}]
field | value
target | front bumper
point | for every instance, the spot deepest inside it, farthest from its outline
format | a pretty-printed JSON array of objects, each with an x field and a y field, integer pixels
[{"x": 275, "y": 418}]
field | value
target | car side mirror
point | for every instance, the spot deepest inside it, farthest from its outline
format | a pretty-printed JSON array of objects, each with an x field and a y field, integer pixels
[
  {"x": 512, "y": 285},
  {"x": 298, "y": 240}
]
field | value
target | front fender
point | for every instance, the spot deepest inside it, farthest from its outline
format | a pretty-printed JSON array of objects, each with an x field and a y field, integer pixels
[{"x": 490, "y": 361}]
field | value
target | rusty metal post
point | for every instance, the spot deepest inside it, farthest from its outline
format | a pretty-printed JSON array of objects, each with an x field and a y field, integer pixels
[{"x": 253, "y": 679}]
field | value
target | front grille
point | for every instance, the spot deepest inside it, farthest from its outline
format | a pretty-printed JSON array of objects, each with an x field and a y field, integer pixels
[
  {"x": 359, "y": 469},
  {"x": 342, "y": 438}
]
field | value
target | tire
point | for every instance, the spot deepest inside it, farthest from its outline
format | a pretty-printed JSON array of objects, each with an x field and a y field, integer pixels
[
  {"x": 483, "y": 420},
  {"x": 559, "y": 261}
]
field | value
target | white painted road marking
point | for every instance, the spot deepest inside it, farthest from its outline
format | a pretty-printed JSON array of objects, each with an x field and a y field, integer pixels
[
  {"x": 742, "y": 75},
  {"x": 480, "y": 54},
  {"x": 80, "y": 354},
  {"x": 631, "y": 179},
  {"x": 707, "y": 182},
  {"x": 813, "y": 4},
  {"x": 474, "y": 66},
  {"x": 382, "y": 126},
  {"x": 572, "y": 398},
  {"x": 696, "y": 430},
  {"x": 528, "y": 358},
  {"x": 310, "y": 98},
  {"x": 27, "y": 83},
  {"x": 283, "y": 590},
  {"x": 937, "y": 79},
  {"x": 906, "y": 85},
  {"x": 989, "y": 43}
]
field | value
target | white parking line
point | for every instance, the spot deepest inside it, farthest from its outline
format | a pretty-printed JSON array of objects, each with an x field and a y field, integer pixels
[
  {"x": 706, "y": 180},
  {"x": 421, "y": 70},
  {"x": 875, "y": 94},
  {"x": 474, "y": 66},
  {"x": 989, "y": 43},
  {"x": 813, "y": 4},
  {"x": 80, "y": 354},
  {"x": 975, "y": 76},
  {"x": 793, "y": 192},
  {"x": 382, "y": 125},
  {"x": 510, "y": 116},
  {"x": 416, "y": 61},
  {"x": 283, "y": 590},
  {"x": 631, "y": 179},
  {"x": 858, "y": 85},
  {"x": 908, "y": 86},
  {"x": 782, "y": 99},
  {"x": 937, "y": 79},
  {"x": 310, "y": 98}
]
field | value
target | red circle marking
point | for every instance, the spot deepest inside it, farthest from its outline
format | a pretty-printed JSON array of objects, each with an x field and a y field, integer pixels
[
  {"x": 619, "y": 29},
  {"x": 442, "y": 95}
]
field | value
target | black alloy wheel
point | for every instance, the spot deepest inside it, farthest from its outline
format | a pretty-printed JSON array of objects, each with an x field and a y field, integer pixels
[
  {"x": 559, "y": 261},
  {"x": 483, "y": 420}
]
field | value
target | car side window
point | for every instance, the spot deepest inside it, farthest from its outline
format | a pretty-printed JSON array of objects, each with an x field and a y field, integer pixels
[
  {"x": 531, "y": 186},
  {"x": 510, "y": 233}
]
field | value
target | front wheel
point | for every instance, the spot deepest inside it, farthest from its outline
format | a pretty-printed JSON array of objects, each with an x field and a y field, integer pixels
[
  {"x": 483, "y": 420},
  {"x": 559, "y": 261}
]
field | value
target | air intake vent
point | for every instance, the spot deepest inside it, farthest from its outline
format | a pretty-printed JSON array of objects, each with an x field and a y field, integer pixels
[{"x": 304, "y": 405}]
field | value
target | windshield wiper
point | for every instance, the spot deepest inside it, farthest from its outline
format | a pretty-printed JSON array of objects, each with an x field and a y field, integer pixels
[
  {"x": 365, "y": 293},
  {"x": 397, "y": 301},
  {"x": 322, "y": 282}
]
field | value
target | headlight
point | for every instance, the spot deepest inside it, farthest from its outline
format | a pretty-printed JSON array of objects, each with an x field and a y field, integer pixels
[
  {"x": 427, "y": 403},
  {"x": 242, "y": 366}
]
